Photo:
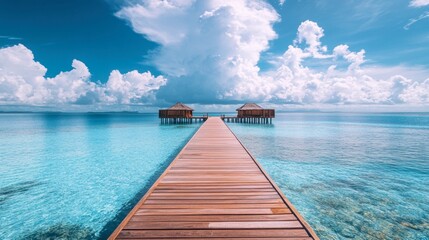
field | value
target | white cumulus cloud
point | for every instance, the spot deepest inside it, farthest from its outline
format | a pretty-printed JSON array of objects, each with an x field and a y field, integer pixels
[
  {"x": 23, "y": 81},
  {"x": 310, "y": 33},
  {"x": 293, "y": 82},
  {"x": 132, "y": 87},
  {"x": 207, "y": 47},
  {"x": 210, "y": 52},
  {"x": 344, "y": 80}
]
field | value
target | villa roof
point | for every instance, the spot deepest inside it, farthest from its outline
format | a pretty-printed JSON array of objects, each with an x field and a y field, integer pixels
[
  {"x": 180, "y": 106},
  {"x": 250, "y": 106}
]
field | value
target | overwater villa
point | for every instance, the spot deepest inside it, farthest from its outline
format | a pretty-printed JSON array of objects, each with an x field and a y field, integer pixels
[
  {"x": 252, "y": 113},
  {"x": 178, "y": 113}
]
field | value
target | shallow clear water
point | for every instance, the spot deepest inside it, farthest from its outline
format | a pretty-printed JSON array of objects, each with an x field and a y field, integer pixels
[
  {"x": 76, "y": 175},
  {"x": 356, "y": 176}
]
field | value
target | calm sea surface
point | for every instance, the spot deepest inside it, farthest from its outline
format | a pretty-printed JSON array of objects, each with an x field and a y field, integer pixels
[
  {"x": 75, "y": 175},
  {"x": 358, "y": 176}
]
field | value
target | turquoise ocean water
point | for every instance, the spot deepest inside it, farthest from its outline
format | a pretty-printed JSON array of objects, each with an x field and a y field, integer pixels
[
  {"x": 76, "y": 175},
  {"x": 357, "y": 176},
  {"x": 352, "y": 176}
]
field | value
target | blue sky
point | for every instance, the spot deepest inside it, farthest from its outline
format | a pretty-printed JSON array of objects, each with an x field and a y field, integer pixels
[
  {"x": 59, "y": 31},
  {"x": 376, "y": 26},
  {"x": 145, "y": 53}
]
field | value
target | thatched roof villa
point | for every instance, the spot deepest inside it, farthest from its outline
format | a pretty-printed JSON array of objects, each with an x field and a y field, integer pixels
[{"x": 253, "y": 110}]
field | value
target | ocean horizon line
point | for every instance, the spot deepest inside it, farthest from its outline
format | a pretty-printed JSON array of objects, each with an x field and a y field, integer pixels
[{"x": 217, "y": 112}]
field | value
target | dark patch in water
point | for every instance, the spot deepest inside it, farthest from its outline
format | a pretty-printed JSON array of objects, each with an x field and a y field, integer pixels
[
  {"x": 354, "y": 184},
  {"x": 62, "y": 231},
  {"x": 126, "y": 208},
  {"x": 15, "y": 189}
]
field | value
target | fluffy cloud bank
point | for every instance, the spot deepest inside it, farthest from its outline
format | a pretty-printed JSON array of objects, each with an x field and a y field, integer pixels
[
  {"x": 23, "y": 81},
  {"x": 206, "y": 47},
  {"x": 342, "y": 81},
  {"x": 210, "y": 51}
]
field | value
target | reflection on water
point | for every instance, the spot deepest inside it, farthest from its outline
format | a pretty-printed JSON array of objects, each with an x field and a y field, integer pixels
[{"x": 356, "y": 176}]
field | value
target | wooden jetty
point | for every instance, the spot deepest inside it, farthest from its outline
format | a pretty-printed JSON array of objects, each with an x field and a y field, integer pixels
[{"x": 214, "y": 189}]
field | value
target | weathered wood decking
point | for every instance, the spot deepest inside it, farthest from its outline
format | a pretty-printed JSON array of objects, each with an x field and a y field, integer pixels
[{"x": 214, "y": 189}]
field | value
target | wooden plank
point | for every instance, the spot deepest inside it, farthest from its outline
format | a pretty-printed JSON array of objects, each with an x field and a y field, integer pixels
[
  {"x": 219, "y": 190},
  {"x": 214, "y": 189},
  {"x": 212, "y": 201},
  {"x": 210, "y": 211},
  {"x": 158, "y": 194},
  {"x": 228, "y": 238},
  {"x": 177, "y": 234},
  {"x": 166, "y": 186},
  {"x": 216, "y": 197},
  {"x": 136, "y": 225},
  {"x": 215, "y": 218},
  {"x": 214, "y": 206}
]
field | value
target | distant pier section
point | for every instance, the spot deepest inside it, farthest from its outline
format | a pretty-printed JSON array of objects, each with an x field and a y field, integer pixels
[
  {"x": 251, "y": 113},
  {"x": 179, "y": 113}
]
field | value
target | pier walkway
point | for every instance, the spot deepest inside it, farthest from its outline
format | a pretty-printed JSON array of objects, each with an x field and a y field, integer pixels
[{"x": 214, "y": 189}]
